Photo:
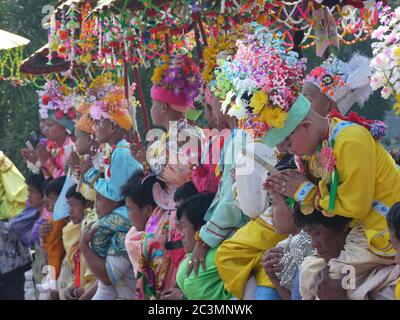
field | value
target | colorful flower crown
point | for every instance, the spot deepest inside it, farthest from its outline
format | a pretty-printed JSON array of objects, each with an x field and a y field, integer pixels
[
  {"x": 180, "y": 75},
  {"x": 224, "y": 44},
  {"x": 58, "y": 99},
  {"x": 264, "y": 79},
  {"x": 344, "y": 82},
  {"x": 386, "y": 56},
  {"x": 113, "y": 106}
]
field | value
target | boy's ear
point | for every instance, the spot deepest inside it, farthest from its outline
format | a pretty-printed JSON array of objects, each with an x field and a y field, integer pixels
[{"x": 148, "y": 210}]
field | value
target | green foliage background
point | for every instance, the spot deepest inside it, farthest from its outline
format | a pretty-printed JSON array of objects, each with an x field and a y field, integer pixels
[{"x": 19, "y": 106}]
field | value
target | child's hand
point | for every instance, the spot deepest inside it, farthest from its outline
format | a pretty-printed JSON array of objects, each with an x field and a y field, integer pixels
[
  {"x": 172, "y": 294},
  {"x": 45, "y": 229},
  {"x": 328, "y": 288},
  {"x": 42, "y": 153},
  {"x": 88, "y": 233},
  {"x": 286, "y": 182},
  {"x": 271, "y": 261},
  {"x": 70, "y": 294},
  {"x": 29, "y": 155}
]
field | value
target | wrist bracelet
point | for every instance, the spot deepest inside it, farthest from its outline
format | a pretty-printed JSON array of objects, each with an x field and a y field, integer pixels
[{"x": 198, "y": 239}]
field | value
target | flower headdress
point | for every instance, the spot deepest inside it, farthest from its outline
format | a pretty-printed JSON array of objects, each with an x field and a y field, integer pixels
[
  {"x": 344, "y": 83},
  {"x": 177, "y": 81},
  {"x": 386, "y": 56},
  {"x": 113, "y": 106},
  {"x": 86, "y": 124},
  {"x": 266, "y": 82},
  {"x": 107, "y": 100},
  {"x": 223, "y": 44},
  {"x": 57, "y": 102}
]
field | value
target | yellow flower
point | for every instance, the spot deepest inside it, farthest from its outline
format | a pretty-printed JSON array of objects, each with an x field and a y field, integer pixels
[
  {"x": 396, "y": 107},
  {"x": 101, "y": 81},
  {"x": 165, "y": 58},
  {"x": 258, "y": 101},
  {"x": 158, "y": 73},
  {"x": 274, "y": 117},
  {"x": 396, "y": 53}
]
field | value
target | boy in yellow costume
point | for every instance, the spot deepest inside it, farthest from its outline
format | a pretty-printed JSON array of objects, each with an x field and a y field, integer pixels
[{"x": 344, "y": 170}]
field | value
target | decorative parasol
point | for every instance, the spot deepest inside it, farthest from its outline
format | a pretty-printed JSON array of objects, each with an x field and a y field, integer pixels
[
  {"x": 10, "y": 40},
  {"x": 11, "y": 51}
]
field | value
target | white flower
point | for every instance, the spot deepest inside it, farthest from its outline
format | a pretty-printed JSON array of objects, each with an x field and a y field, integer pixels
[
  {"x": 380, "y": 61},
  {"x": 379, "y": 32},
  {"x": 227, "y": 101},
  {"x": 43, "y": 113},
  {"x": 386, "y": 92},
  {"x": 237, "y": 110}
]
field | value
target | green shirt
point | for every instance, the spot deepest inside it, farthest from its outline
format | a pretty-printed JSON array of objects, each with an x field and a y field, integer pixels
[{"x": 207, "y": 285}]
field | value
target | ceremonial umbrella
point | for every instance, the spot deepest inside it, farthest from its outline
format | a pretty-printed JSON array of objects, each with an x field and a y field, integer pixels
[{"x": 10, "y": 40}]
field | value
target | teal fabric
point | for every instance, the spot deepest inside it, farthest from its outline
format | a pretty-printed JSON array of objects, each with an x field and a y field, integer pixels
[
  {"x": 110, "y": 237},
  {"x": 122, "y": 166},
  {"x": 65, "y": 121},
  {"x": 296, "y": 114},
  {"x": 224, "y": 216}
]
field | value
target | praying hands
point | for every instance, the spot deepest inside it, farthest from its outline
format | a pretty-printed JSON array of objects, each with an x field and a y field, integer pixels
[{"x": 285, "y": 182}]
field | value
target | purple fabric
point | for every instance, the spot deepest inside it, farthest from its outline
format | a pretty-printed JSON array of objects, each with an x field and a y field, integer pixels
[
  {"x": 23, "y": 223},
  {"x": 35, "y": 230}
]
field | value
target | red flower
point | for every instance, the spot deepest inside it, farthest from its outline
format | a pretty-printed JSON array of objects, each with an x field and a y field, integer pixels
[
  {"x": 63, "y": 34},
  {"x": 151, "y": 12},
  {"x": 71, "y": 114},
  {"x": 114, "y": 44},
  {"x": 62, "y": 49},
  {"x": 105, "y": 50},
  {"x": 59, "y": 114},
  {"x": 46, "y": 99},
  {"x": 317, "y": 72}
]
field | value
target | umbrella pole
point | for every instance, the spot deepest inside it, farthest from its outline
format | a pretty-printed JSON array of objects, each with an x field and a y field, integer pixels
[{"x": 141, "y": 97}]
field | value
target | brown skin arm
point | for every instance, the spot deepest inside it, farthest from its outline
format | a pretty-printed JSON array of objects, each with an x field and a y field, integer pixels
[
  {"x": 328, "y": 288},
  {"x": 198, "y": 258},
  {"x": 95, "y": 263},
  {"x": 90, "y": 292},
  {"x": 271, "y": 265}
]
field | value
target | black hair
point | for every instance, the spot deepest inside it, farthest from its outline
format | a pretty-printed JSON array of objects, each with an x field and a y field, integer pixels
[
  {"x": 36, "y": 181},
  {"x": 195, "y": 208},
  {"x": 393, "y": 219},
  {"x": 72, "y": 193},
  {"x": 54, "y": 186},
  {"x": 287, "y": 162},
  {"x": 139, "y": 189},
  {"x": 185, "y": 191},
  {"x": 336, "y": 223}
]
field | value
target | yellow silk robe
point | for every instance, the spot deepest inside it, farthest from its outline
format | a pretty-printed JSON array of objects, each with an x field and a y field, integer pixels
[{"x": 369, "y": 184}]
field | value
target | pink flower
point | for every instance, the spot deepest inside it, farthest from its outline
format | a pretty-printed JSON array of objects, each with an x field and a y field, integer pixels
[
  {"x": 327, "y": 159},
  {"x": 318, "y": 72},
  {"x": 59, "y": 114}
]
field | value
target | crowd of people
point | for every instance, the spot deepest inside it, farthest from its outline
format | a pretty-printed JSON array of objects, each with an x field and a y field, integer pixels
[{"x": 285, "y": 194}]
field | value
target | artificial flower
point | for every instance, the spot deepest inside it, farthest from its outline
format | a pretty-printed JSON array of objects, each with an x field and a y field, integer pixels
[
  {"x": 327, "y": 159},
  {"x": 274, "y": 117},
  {"x": 258, "y": 101}
]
